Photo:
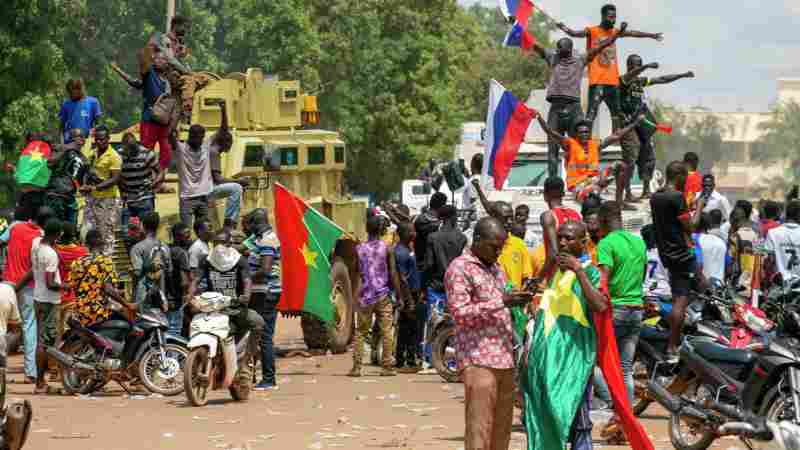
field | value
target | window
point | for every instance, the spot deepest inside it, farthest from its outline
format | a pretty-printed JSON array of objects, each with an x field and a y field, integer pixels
[
  {"x": 289, "y": 156},
  {"x": 316, "y": 156},
  {"x": 527, "y": 173},
  {"x": 253, "y": 155},
  {"x": 338, "y": 154},
  {"x": 421, "y": 189}
]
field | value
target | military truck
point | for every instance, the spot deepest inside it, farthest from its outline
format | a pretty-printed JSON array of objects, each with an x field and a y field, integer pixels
[{"x": 266, "y": 117}]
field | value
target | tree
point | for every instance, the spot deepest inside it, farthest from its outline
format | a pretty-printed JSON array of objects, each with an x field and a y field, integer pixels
[
  {"x": 781, "y": 139},
  {"x": 701, "y": 135}
]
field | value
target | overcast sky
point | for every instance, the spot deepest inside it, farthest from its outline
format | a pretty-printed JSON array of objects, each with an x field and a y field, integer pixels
[{"x": 736, "y": 48}]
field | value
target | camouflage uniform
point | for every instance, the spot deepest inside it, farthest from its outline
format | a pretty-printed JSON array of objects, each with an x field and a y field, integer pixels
[{"x": 102, "y": 214}]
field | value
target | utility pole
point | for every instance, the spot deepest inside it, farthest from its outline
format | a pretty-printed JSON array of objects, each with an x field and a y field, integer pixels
[{"x": 170, "y": 13}]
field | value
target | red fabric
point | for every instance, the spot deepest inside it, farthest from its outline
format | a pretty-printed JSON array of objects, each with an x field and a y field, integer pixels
[
  {"x": 694, "y": 183},
  {"x": 512, "y": 140},
  {"x": 524, "y": 11},
  {"x": 609, "y": 362},
  {"x": 564, "y": 215},
  {"x": 767, "y": 225},
  {"x": 66, "y": 255},
  {"x": 152, "y": 133},
  {"x": 664, "y": 128},
  {"x": 18, "y": 262},
  {"x": 293, "y": 234}
]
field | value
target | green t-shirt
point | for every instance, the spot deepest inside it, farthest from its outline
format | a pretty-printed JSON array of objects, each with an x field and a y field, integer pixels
[{"x": 625, "y": 255}]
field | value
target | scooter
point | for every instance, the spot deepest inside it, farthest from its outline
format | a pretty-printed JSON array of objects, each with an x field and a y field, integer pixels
[
  {"x": 121, "y": 351},
  {"x": 730, "y": 384},
  {"x": 216, "y": 360}
]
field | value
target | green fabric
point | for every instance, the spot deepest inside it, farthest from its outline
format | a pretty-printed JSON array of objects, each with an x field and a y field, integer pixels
[
  {"x": 560, "y": 358},
  {"x": 625, "y": 255},
  {"x": 322, "y": 237},
  {"x": 32, "y": 169}
]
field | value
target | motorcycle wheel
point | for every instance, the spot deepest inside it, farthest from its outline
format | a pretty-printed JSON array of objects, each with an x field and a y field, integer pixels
[
  {"x": 163, "y": 377},
  {"x": 704, "y": 437},
  {"x": 442, "y": 360},
  {"x": 240, "y": 389},
  {"x": 779, "y": 408},
  {"x": 195, "y": 365},
  {"x": 75, "y": 381}
]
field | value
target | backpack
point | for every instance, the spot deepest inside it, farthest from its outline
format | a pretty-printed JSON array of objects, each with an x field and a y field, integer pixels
[{"x": 155, "y": 266}]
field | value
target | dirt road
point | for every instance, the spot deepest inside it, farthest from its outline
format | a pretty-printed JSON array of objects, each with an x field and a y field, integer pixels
[{"x": 316, "y": 407}]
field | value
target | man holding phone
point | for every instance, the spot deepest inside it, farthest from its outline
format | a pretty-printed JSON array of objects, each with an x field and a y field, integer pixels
[{"x": 484, "y": 341}]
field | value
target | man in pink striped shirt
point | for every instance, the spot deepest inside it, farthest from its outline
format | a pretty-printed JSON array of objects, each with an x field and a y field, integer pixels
[{"x": 477, "y": 299}]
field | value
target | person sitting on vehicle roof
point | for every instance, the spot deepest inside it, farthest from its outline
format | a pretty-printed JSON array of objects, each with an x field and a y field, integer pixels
[{"x": 582, "y": 155}]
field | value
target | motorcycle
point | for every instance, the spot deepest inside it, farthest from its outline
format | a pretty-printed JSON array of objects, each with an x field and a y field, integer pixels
[
  {"x": 708, "y": 315},
  {"x": 121, "y": 351},
  {"x": 762, "y": 380},
  {"x": 216, "y": 360}
]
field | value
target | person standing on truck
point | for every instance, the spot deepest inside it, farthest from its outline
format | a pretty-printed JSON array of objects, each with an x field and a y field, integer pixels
[
  {"x": 604, "y": 70},
  {"x": 582, "y": 155},
  {"x": 194, "y": 171},
  {"x": 638, "y": 146},
  {"x": 68, "y": 171},
  {"x": 141, "y": 179},
  {"x": 223, "y": 187},
  {"x": 470, "y": 196},
  {"x": 564, "y": 89},
  {"x": 80, "y": 111}
]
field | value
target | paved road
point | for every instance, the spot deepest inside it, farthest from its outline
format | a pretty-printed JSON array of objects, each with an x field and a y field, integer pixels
[{"x": 316, "y": 407}]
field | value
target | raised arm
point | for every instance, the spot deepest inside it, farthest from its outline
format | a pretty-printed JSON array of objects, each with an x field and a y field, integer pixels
[
  {"x": 666, "y": 79},
  {"x": 630, "y": 76},
  {"x": 487, "y": 205},
  {"x": 132, "y": 82},
  {"x": 594, "y": 51},
  {"x": 551, "y": 133},
  {"x": 639, "y": 34},
  {"x": 541, "y": 51},
  {"x": 223, "y": 127},
  {"x": 617, "y": 137},
  {"x": 570, "y": 32}
]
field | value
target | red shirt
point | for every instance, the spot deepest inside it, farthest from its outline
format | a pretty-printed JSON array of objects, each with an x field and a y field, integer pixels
[
  {"x": 693, "y": 186},
  {"x": 66, "y": 255},
  {"x": 18, "y": 262}
]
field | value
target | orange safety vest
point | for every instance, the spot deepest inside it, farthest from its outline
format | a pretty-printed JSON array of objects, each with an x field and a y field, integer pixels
[{"x": 581, "y": 165}]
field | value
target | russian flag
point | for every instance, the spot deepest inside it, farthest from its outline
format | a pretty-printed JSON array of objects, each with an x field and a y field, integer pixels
[
  {"x": 520, "y": 11},
  {"x": 507, "y": 121}
]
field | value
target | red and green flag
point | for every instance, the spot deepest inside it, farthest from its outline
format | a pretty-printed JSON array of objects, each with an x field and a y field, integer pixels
[
  {"x": 32, "y": 167},
  {"x": 307, "y": 240}
]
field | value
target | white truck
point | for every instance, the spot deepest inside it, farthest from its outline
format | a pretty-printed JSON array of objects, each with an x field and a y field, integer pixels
[{"x": 526, "y": 179}]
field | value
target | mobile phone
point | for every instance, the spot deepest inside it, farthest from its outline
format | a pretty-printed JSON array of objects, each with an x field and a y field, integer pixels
[{"x": 532, "y": 284}]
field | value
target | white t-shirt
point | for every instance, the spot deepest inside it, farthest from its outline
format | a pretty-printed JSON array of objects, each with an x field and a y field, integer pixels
[
  {"x": 8, "y": 307},
  {"x": 196, "y": 252},
  {"x": 714, "y": 250},
  {"x": 44, "y": 259},
  {"x": 718, "y": 201},
  {"x": 656, "y": 277},
  {"x": 784, "y": 242}
]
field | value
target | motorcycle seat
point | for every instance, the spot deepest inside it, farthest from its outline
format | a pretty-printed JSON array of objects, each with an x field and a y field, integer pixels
[
  {"x": 718, "y": 352},
  {"x": 113, "y": 329}
]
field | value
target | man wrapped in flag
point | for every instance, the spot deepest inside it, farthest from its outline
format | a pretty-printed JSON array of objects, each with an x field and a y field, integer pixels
[
  {"x": 571, "y": 333},
  {"x": 638, "y": 146}
]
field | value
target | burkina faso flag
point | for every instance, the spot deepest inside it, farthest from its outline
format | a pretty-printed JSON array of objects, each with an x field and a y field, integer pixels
[
  {"x": 307, "y": 240},
  {"x": 32, "y": 165}
]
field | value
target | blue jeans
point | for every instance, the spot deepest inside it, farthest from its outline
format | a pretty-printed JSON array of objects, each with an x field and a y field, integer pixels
[
  {"x": 136, "y": 209},
  {"x": 270, "y": 315},
  {"x": 233, "y": 192},
  {"x": 581, "y": 431},
  {"x": 175, "y": 320},
  {"x": 627, "y": 326},
  {"x": 29, "y": 330}
]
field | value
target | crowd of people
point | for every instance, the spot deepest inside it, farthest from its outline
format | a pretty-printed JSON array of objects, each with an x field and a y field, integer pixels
[{"x": 59, "y": 267}]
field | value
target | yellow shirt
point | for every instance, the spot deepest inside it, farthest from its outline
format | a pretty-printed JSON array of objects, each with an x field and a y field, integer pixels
[
  {"x": 103, "y": 165},
  {"x": 538, "y": 256},
  {"x": 515, "y": 261}
]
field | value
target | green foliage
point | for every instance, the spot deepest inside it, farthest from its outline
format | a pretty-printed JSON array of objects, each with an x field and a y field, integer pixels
[
  {"x": 396, "y": 77},
  {"x": 703, "y": 136},
  {"x": 781, "y": 139}
]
